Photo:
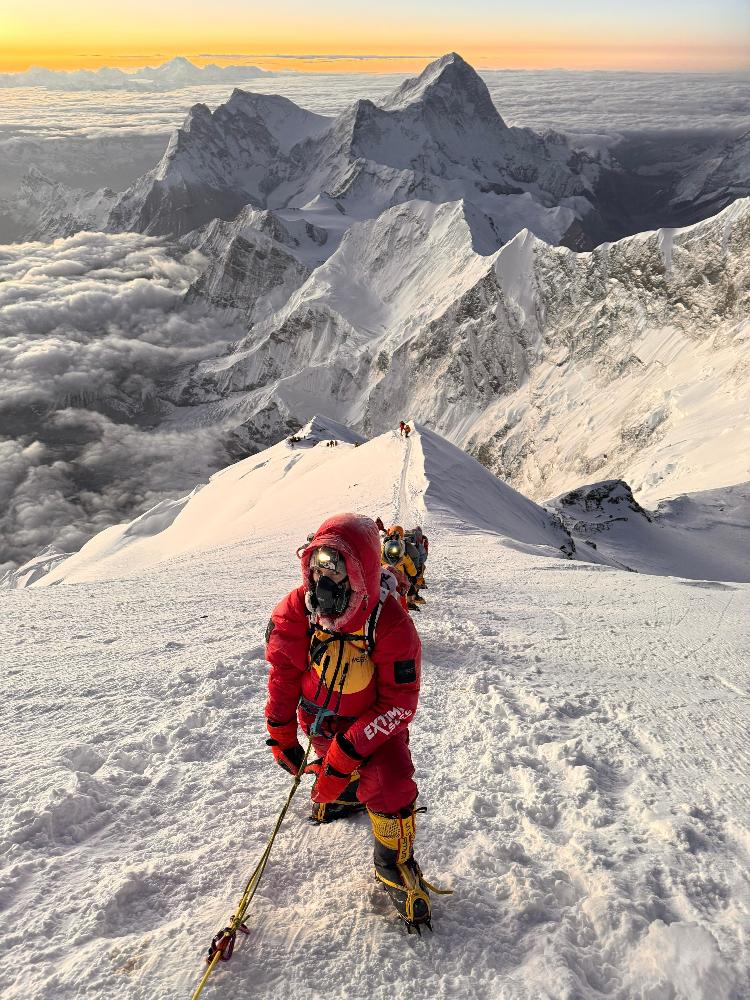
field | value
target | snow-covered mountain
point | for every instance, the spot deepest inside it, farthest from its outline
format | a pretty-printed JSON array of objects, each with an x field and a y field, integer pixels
[
  {"x": 437, "y": 137},
  {"x": 721, "y": 175},
  {"x": 627, "y": 362},
  {"x": 580, "y": 749},
  {"x": 44, "y": 209},
  {"x": 217, "y": 163},
  {"x": 175, "y": 73},
  {"x": 553, "y": 368},
  {"x": 256, "y": 261}
]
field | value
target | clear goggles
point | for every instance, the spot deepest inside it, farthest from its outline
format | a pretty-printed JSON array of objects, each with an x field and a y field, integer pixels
[{"x": 325, "y": 558}]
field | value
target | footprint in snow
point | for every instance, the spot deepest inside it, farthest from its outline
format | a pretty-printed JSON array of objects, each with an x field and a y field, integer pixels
[{"x": 81, "y": 758}]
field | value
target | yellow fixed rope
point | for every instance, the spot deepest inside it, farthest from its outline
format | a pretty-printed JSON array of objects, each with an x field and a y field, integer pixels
[{"x": 223, "y": 939}]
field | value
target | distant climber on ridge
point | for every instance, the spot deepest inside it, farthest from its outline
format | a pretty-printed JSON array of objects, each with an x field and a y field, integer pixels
[{"x": 345, "y": 666}]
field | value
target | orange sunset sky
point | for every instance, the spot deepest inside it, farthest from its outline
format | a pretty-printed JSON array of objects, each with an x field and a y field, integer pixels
[{"x": 574, "y": 34}]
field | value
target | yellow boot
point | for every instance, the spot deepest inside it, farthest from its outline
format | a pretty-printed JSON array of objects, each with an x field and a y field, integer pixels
[{"x": 396, "y": 867}]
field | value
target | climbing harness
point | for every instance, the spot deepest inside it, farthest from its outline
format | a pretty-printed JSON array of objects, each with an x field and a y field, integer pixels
[{"x": 223, "y": 943}]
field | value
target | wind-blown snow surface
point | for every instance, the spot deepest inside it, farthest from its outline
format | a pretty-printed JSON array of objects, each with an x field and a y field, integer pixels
[{"x": 581, "y": 746}]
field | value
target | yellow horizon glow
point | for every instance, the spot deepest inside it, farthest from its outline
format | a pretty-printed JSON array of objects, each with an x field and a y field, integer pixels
[
  {"x": 89, "y": 34},
  {"x": 591, "y": 55}
]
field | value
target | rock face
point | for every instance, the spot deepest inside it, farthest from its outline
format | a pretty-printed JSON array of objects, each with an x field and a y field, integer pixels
[
  {"x": 256, "y": 261},
  {"x": 216, "y": 164},
  {"x": 702, "y": 536},
  {"x": 594, "y": 508}
]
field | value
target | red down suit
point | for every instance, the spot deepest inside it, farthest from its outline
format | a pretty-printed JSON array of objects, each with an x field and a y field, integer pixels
[{"x": 369, "y": 694}]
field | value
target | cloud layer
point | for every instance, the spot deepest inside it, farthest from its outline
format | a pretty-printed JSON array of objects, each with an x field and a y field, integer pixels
[
  {"x": 172, "y": 75},
  {"x": 90, "y": 328}
]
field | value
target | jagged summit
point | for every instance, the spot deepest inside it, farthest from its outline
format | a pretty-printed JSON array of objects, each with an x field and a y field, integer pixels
[
  {"x": 449, "y": 85},
  {"x": 438, "y": 137}
]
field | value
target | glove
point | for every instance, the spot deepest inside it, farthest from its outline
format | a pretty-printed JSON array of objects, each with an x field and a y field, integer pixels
[
  {"x": 333, "y": 773},
  {"x": 284, "y": 745}
]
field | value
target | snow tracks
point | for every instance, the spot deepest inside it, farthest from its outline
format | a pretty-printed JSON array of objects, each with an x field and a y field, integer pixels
[{"x": 586, "y": 861}]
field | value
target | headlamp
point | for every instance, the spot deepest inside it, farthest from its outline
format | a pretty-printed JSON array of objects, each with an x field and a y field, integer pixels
[{"x": 329, "y": 559}]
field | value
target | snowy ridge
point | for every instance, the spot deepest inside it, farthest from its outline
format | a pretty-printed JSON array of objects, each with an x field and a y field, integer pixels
[
  {"x": 580, "y": 746},
  {"x": 43, "y": 209},
  {"x": 701, "y": 537},
  {"x": 553, "y": 368},
  {"x": 245, "y": 499},
  {"x": 198, "y": 179}
]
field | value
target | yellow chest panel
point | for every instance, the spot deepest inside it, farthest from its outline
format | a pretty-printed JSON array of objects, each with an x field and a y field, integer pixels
[{"x": 344, "y": 664}]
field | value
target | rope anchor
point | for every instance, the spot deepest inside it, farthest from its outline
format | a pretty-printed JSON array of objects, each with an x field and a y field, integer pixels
[{"x": 224, "y": 942}]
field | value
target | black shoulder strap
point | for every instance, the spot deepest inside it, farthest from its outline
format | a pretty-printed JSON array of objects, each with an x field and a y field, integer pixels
[{"x": 369, "y": 632}]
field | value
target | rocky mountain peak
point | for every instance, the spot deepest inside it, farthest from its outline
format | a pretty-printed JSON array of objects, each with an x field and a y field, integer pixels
[
  {"x": 449, "y": 85},
  {"x": 198, "y": 113}
]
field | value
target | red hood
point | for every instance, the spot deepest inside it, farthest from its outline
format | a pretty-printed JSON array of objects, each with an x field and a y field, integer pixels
[{"x": 358, "y": 538}]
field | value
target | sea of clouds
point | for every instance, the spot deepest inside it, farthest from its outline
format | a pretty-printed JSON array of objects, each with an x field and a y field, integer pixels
[{"x": 91, "y": 327}]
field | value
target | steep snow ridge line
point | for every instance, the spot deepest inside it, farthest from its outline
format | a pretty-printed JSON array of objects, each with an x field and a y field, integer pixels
[{"x": 403, "y": 514}]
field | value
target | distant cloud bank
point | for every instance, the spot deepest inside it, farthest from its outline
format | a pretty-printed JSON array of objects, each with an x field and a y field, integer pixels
[
  {"x": 172, "y": 75},
  {"x": 90, "y": 327}
]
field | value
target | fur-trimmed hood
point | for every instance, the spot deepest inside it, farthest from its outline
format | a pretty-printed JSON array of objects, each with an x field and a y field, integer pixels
[{"x": 358, "y": 539}]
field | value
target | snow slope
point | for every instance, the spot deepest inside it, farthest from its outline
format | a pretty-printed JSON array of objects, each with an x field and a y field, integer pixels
[
  {"x": 554, "y": 368},
  {"x": 581, "y": 746},
  {"x": 701, "y": 536},
  {"x": 270, "y": 492}
]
